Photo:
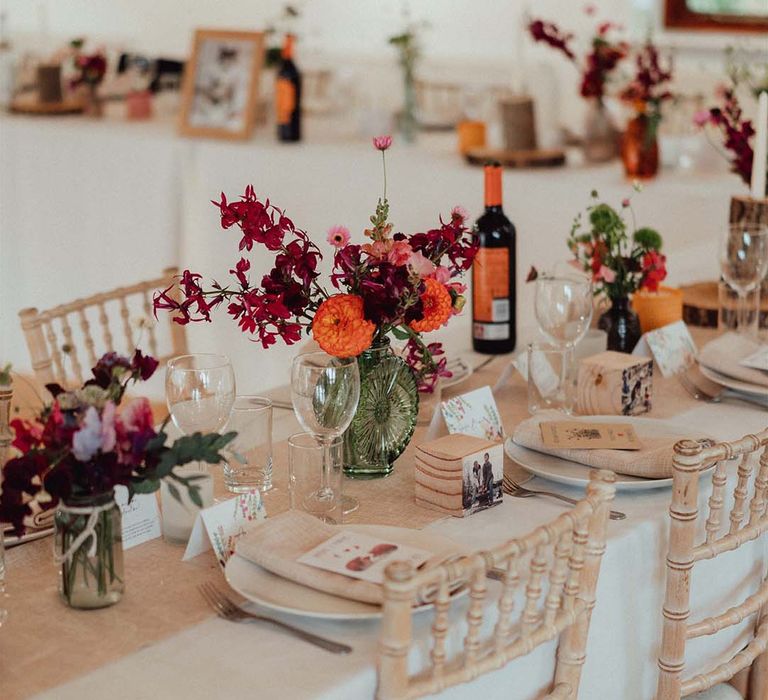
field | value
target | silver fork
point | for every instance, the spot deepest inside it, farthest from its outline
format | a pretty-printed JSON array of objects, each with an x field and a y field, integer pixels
[
  {"x": 703, "y": 389},
  {"x": 514, "y": 489},
  {"x": 227, "y": 609}
]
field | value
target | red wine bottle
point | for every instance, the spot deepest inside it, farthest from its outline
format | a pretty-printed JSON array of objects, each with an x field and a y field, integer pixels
[
  {"x": 494, "y": 317},
  {"x": 288, "y": 95}
]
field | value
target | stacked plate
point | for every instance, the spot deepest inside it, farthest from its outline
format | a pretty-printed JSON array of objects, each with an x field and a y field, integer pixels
[{"x": 736, "y": 363}]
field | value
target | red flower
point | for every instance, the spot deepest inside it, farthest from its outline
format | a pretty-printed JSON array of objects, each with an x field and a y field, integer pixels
[
  {"x": 549, "y": 33},
  {"x": 654, "y": 270}
]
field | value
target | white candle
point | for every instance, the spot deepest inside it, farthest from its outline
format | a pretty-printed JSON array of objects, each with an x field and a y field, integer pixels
[{"x": 761, "y": 148}]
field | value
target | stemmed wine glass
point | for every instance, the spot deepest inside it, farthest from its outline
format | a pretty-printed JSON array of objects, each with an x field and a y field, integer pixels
[
  {"x": 743, "y": 264},
  {"x": 563, "y": 309},
  {"x": 325, "y": 391},
  {"x": 200, "y": 391}
]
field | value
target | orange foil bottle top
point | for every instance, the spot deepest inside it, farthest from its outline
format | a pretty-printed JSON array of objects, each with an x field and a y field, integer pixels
[
  {"x": 287, "y": 51},
  {"x": 493, "y": 185}
]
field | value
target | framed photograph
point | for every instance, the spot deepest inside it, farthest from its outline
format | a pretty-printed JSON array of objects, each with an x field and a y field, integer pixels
[{"x": 221, "y": 84}]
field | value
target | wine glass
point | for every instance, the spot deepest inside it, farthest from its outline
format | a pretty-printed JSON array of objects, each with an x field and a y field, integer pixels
[
  {"x": 563, "y": 307},
  {"x": 325, "y": 391},
  {"x": 200, "y": 392},
  {"x": 743, "y": 264}
]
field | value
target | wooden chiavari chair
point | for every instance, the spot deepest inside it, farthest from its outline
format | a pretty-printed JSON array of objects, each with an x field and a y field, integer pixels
[
  {"x": 747, "y": 521},
  {"x": 574, "y": 544},
  {"x": 55, "y": 337}
]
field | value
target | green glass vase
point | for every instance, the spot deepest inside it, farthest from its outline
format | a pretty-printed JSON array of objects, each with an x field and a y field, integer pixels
[{"x": 386, "y": 414}]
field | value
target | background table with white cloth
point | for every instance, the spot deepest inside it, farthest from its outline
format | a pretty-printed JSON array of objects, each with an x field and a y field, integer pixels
[{"x": 64, "y": 234}]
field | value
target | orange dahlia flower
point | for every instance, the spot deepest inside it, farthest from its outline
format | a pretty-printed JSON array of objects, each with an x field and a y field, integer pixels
[
  {"x": 340, "y": 328},
  {"x": 437, "y": 307}
]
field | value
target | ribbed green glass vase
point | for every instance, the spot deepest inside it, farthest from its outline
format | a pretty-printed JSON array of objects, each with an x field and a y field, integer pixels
[{"x": 386, "y": 414}]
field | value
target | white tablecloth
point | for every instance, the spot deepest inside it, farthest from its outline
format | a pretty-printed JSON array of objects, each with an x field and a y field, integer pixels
[
  {"x": 229, "y": 660},
  {"x": 87, "y": 205}
]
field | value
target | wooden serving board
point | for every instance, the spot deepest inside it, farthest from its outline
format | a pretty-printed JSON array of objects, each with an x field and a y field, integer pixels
[
  {"x": 701, "y": 304},
  {"x": 537, "y": 158},
  {"x": 29, "y": 104}
]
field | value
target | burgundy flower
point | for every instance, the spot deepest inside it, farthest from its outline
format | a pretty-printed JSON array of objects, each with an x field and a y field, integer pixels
[
  {"x": 549, "y": 33},
  {"x": 649, "y": 75},
  {"x": 144, "y": 365}
]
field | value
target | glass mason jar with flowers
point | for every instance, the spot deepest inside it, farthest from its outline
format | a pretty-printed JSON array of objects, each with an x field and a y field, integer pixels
[
  {"x": 74, "y": 454},
  {"x": 639, "y": 144},
  {"x": 620, "y": 263},
  {"x": 394, "y": 285}
]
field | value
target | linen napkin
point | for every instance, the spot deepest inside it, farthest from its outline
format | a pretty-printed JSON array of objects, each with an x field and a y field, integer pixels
[
  {"x": 652, "y": 461},
  {"x": 724, "y": 355},
  {"x": 277, "y": 542}
]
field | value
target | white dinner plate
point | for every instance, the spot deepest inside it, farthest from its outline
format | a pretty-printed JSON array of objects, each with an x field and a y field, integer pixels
[
  {"x": 282, "y": 595},
  {"x": 731, "y": 383},
  {"x": 563, "y": 471}
]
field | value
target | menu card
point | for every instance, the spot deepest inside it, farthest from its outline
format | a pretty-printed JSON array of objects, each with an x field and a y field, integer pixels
[
  {"x": 581, "y": 435},
  {"x": 360, "y": 556},
  {"x": 474, "y": 413}
]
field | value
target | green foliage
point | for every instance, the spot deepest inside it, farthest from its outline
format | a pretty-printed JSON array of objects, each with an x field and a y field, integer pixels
[{"x": 647, "y": 238}]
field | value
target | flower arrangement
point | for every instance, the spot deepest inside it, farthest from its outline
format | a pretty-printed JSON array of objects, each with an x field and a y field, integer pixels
[
  {"x": 618, "y": 262},
  {"x": 647, "y": 90},
  {"x": 91, "y": 68},
  {"x": 604, "y": 54},
  {"x": 397, "y": 284},
  {"x": 737, "y": 132},
  {"x": 80, "y": 446}
]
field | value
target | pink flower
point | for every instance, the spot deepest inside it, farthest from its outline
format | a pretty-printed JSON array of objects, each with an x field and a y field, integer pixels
[
  {"x": 625, "y": 202},
  {"x": 442, "y": 274},
  {"x": 459, "y": 215},
  {"x": 87, "y": 441},
  {"x": 382, "y": 143},
  {"x": 338, "y": 236},
  {"x": 108, "y": 433},
  {"x": 590, "y": 10},
  {"x": 137, "y": 415},
  {"x": 378, "y": 250},
  {"x": 421, "y": 265},
  {"x": 606, "y": 274},
  {"x": 701, "y": 118},
  {"x": 400, "y": 254}
]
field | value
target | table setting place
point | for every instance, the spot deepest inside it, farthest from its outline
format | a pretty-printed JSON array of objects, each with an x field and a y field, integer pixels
[{"x": 516, "y": 521}]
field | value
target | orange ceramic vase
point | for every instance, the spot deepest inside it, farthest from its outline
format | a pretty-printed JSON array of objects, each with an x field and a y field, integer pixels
[{"x": 640, "y": 148}]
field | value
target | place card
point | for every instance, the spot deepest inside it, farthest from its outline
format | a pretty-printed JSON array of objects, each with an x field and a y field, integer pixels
[
  {"x": 474, "y": 413},
  {"x": 361, "y": 556},
  {"x": 581, "y": 435},
  {"x": 140, "y": 517},
  {"x": 221, "y": 525},
  {"x": 671, "y": 346},
  {"x": 757, "y": 360}
]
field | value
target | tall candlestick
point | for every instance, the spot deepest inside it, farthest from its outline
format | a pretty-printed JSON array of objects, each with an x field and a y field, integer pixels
[{"x": 761, "y": 148}]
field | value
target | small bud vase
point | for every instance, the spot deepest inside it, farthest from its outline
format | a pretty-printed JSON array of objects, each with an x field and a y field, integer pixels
[
  {"x": 89, "y": 548},
  {"x": 640, "y": 146},
  {"x": 386, "y": 414},
  {"x": 622, "y": 326}
]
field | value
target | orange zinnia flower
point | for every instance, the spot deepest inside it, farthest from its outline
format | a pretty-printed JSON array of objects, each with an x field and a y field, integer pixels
[
  {"x": 340, "y": 328},
  {"x": 437, "y": 307}
]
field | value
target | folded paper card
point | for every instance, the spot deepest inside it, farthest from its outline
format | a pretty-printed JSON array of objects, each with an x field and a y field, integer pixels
[
  {"x": 360, "y": 556},
  {"x": 671, "y": 346},
  {"x": 652, "y": 461},
  {"x": 140, "y": 517},
  {"x": 221, "y": 525},
  {"x": 474, "y": 413},
  {"x": 581, "y": 435}
]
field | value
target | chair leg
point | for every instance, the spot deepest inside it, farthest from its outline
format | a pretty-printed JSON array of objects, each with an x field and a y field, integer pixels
[{"x": 758, "y": 678}]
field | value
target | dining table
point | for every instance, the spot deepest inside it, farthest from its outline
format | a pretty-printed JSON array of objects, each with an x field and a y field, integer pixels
[{"x": 162, "y": 639}]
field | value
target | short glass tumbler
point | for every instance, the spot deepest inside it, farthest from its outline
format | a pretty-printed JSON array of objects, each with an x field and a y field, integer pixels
[
  {"x": 551, "y": 380},
  {"x": 308, "y": 489},
  {"x": 249, "y": 455}
]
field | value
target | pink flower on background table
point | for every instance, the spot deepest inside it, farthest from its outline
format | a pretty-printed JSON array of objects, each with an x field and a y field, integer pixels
[
  {"x": 382, "y": 143},
  {"x": 338, "y": 236}
]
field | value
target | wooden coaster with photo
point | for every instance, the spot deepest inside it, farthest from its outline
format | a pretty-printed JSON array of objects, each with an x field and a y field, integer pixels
[{"x": 30, "y": 104}]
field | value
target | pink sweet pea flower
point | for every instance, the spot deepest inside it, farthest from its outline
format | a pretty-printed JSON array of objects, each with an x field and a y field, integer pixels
[
  {"x": 338, "y": 236},
  {"x": 400, "y": 254},
  {"x": 108, "y": 433},
  {"x": 606, "y": 274},
  {"x": 420, "y": 265},
  {"x": 442, "y": 274},
  {"x": 701, "y": 118},
  {"x": 382, "y": 143},
  {"x": 137, "y": 415}
]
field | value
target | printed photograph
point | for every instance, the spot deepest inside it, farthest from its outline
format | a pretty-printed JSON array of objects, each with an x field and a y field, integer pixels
[{"x": 482, "y": 483}]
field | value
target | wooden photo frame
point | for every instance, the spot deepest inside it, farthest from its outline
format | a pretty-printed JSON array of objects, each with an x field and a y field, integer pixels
[
  {"x": 677, "y": 15},
  {"x": 220, "y": 87}
]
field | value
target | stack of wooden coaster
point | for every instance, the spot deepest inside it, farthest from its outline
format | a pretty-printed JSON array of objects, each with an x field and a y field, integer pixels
[{"x": 459, "y": 474}]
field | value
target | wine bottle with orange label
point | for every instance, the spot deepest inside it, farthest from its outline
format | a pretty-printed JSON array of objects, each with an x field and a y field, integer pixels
[
  {"x": 494, "y": 274},
  {"x": 288, "y": 95}
]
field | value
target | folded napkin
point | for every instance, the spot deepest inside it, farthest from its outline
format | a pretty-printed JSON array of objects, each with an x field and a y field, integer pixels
[
  {"x": 724, "y": 354},
  {"x": 276, "y": 543},
  {"x": 43, "y": 519},
  {"x": 652, "y": 461}
]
